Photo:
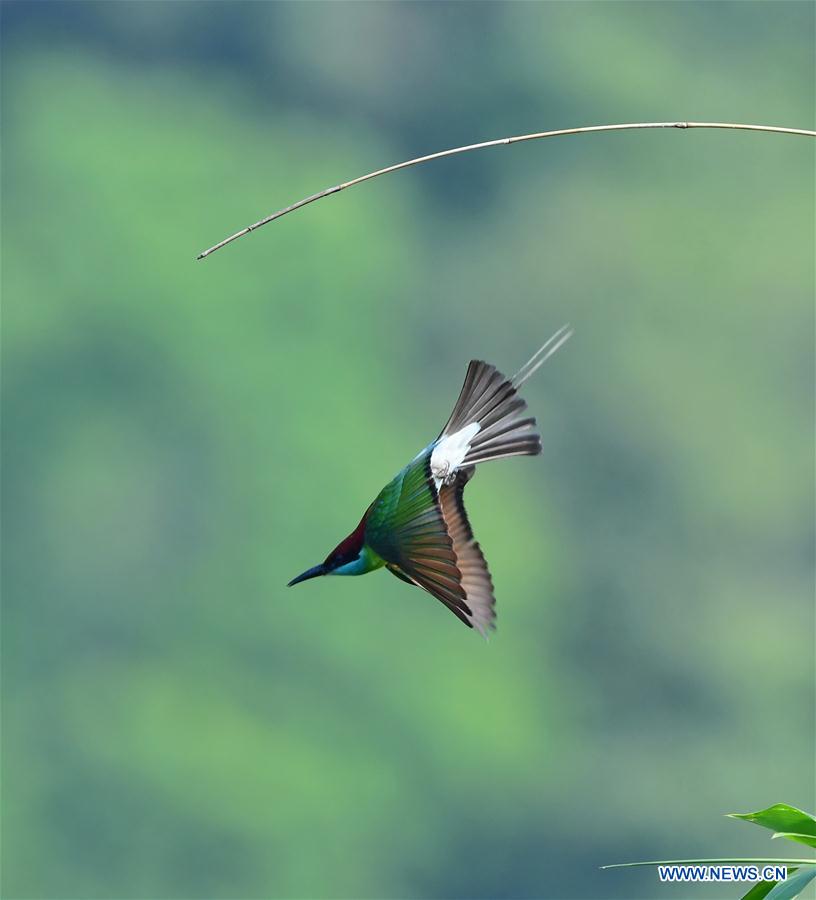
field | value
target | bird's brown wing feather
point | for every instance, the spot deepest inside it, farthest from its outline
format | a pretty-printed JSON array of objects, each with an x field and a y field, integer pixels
[
  {"x": 475, "y": 577},
  {"x": 449, "y": 593},
  {"x": 407, "y": 529},
  {"x": 425, "y": 538}
]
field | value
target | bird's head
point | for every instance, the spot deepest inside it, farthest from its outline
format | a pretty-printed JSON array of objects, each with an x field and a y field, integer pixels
[{"x": 345, "y": 559}]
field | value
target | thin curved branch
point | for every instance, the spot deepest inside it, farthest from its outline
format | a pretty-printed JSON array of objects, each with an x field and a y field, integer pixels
[{"x": 500, "y": 141}]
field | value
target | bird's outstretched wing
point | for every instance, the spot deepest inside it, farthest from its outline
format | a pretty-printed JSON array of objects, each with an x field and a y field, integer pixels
[
  {"x": 475, "y": 576},
  {"x": 416, "y": 530}
]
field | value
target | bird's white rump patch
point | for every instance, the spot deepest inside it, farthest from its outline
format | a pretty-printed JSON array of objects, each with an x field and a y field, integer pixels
[{"x": 448, "y": 454}]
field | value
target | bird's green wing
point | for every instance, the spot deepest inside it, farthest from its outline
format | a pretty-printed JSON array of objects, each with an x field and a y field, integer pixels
[{"x": 407, "y": 529}]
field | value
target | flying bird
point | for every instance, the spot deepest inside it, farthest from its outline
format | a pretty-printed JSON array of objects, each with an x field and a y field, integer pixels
[{"x": 417, "y": 526}]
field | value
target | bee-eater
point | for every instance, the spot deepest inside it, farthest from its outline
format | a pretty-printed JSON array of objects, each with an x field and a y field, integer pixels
[{"x": 417, "y": 526}]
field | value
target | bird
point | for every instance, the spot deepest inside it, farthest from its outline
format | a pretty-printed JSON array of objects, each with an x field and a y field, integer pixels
[{"x": 417, "y": 527}]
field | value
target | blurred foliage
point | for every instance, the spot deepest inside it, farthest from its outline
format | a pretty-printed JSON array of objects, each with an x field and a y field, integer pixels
[{"x": 182, "y": 438}]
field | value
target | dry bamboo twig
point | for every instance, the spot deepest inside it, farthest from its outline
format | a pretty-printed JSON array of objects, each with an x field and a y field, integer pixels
[{"x": 496, "y": 143}]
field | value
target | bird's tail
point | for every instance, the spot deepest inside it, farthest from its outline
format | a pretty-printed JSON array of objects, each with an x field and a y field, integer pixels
[{"x": 491, "y": 400}]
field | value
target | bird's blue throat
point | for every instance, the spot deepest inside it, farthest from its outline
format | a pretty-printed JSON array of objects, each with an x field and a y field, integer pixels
[{"x": 367, "y": 561}]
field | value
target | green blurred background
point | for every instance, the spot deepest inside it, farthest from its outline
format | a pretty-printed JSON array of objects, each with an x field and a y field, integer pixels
[{"x": 182, "y": 438}]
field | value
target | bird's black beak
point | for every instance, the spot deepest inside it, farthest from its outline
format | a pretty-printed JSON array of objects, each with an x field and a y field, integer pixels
[{"x": 309, "y": 573}]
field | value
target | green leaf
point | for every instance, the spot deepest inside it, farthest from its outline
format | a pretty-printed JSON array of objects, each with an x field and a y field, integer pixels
[
  {"x": 781, "y": 818},
  {"x": 787, "y": 890},
  {"x": 801, "y": 838},
  {"x": 761, "y": 889}
]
